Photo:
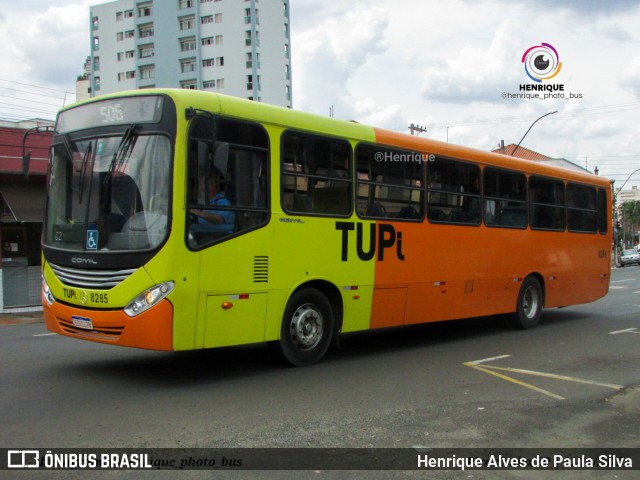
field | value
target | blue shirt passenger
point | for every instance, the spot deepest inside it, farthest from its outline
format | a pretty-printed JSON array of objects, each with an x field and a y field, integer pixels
[{"x": 214, "y": 221}]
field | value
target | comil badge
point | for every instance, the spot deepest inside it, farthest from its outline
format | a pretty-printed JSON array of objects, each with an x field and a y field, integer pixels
[{"x": 541, "y": 62}]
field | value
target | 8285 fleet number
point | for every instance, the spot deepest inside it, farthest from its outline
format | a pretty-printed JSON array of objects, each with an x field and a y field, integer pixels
[
  {"x": 93, "y": 297},
  {"x": 99, "y": 298}
]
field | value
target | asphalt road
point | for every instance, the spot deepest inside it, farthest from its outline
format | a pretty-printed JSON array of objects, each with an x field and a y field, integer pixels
[{"x": 453, "y": 384}]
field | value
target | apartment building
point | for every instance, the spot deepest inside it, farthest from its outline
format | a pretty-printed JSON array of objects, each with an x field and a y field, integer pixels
[{"x": 235, "y": 47}]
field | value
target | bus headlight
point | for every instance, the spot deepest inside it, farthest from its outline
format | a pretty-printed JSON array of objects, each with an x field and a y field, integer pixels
[
  {"x": 148, "y": 299},
  {"x": 46, "y": 293}
]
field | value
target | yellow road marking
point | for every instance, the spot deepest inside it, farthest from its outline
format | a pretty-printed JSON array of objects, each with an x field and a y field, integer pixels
[
  {"x": 513, "y": 380},
  {"x": 491, "y": 370},
  {"x": 558, "y": 377}
]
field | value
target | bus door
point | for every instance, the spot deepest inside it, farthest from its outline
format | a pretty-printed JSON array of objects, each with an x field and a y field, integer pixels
[{"x": 227, "y": 171}]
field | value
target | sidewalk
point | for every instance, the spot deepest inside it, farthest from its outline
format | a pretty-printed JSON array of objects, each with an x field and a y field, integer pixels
[{"x": 21, "y": 318}]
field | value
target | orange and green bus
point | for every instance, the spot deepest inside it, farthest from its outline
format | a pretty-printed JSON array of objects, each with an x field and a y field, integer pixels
[{"x": 325, "y": 227}]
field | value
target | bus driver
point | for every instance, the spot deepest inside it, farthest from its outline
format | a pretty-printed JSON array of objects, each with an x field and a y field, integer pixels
[{"x": 214, "y": 221}]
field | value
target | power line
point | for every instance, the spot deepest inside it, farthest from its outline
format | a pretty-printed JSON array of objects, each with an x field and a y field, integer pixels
[
  {"x": 37, "y": 86},
  {"x": 36, "y": 94},
  {"x": 12, "y": 117},
  {"x": 7, "y": 109},
  {"x": 12, "y": 106},
  {"x": 40, "y": 102}
]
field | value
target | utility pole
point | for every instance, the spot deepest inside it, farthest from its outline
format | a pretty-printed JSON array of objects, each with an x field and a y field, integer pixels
[{"x": 417, "y": 128}]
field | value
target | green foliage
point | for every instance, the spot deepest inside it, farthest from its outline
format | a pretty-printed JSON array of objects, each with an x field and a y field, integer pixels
[{"x": 630, "y": 219}]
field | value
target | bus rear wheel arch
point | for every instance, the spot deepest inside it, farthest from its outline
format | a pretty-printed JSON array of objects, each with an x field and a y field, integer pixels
[
  {"x": 529, "y": 304},
  {"x": 308, "y": 327}
]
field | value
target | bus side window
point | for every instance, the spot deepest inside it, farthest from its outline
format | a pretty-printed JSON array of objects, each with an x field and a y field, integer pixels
[
  {"x": 453, "y": 192},
  {"x": 390, "y": 183},
  {"x": 505, "y": 198},
  {"x": 547, "y": 204},
  {"x": 603, "y": 217},
  {"x": 316, "y": 175},
  {"x": 582, "y": 212},
  {"x": 235, "y": 161}
]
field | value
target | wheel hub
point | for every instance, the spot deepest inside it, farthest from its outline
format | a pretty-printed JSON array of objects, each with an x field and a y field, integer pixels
[
  {"x": 530, "y": 302},
  {"x": 307, "y": 326}
]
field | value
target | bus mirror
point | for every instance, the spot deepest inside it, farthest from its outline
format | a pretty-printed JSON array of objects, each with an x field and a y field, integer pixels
[
  {"x": 26, "y": 159},
  {"x": 26, "y": 156}
]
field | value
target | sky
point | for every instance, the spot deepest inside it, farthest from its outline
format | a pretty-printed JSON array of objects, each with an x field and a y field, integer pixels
[{"x": 450, "y": 66}]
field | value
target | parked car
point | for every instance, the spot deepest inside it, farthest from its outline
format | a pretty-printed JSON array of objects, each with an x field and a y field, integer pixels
[{"x": 629, "y": 256}]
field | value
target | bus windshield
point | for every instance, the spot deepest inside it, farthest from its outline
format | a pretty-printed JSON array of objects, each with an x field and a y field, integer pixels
[{"x": 109, "y": 193}]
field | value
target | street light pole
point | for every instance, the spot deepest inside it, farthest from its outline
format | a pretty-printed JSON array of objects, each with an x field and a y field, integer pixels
[
  {"x": 625, "y": 182},
  {"x": 518, "y": 145}
]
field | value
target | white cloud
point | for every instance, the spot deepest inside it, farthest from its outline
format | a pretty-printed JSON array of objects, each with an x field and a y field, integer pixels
[
  {"x": 630, "y": 77},
  {"x": 44, "y": 44},
  {"x": 477, "y": 73},
  {"x": 53, "y": 45},
  {"x": 612, "y": 31},
  {"x": 585, "y": 8},
  {"x": 328, "y": 55},
  {"x": 370, "y": 112},
  {"x": 305, "y": 13}
]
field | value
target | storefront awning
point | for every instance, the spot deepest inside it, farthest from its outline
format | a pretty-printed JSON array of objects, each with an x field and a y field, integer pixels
[{"x": 24, "y": 201}]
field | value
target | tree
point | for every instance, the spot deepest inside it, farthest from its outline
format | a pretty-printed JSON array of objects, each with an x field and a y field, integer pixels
[{"x": 630, "y": 220}]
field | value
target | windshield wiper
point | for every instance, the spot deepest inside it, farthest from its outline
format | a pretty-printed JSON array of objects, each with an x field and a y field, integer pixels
[
  {"x": 69, "y": 148},
  {"x": 83, "y": 167},
  {"x": 122, "y": 153},
  {"x": 67, "y": 144}
]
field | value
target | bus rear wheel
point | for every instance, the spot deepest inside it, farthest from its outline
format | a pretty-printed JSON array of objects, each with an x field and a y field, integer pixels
[
  {"x": 307, "y": 327},
  {"x": 530, "y": 304}
]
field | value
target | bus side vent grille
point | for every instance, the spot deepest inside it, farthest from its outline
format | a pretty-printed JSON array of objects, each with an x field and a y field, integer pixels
[{"x": 260, "y": 269}]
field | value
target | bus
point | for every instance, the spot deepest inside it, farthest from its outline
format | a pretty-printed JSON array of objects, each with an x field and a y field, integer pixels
[{"x": 326, "y": 227}]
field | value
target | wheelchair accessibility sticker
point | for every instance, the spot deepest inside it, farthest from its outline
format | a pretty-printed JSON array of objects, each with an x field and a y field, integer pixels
[{"x": 92, "y": 240}]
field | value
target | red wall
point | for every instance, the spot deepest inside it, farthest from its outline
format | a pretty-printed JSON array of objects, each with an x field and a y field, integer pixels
[{"x": 11, "y": 151}]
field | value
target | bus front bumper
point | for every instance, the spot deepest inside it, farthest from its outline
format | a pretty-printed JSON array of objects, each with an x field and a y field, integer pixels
[{"x": 151, "y": 330}]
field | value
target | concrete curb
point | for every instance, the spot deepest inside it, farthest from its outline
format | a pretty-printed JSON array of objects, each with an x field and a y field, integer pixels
[
  {"x": 627, "y": 400},
  {"x": 21, "y": 318}
]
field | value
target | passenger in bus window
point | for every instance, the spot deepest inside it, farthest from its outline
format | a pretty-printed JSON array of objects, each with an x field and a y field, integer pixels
[{"x": 214, "y": 221}]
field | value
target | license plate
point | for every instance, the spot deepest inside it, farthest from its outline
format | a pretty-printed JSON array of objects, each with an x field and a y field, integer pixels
[{"x": 82, "y": 322}]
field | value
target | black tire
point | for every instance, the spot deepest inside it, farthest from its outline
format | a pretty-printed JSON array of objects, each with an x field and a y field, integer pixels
[
  {"x": 307, "y": 328},
  {"x": 529, "y": 306}
]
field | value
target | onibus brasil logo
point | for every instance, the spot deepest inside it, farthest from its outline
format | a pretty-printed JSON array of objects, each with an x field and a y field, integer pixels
[{"x": 541, "y": 62}]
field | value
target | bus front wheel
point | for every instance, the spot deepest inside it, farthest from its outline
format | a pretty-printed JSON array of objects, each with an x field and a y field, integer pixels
[
  {"x": 307, "y": 327},
  {"x": 530, "y": 304}
]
